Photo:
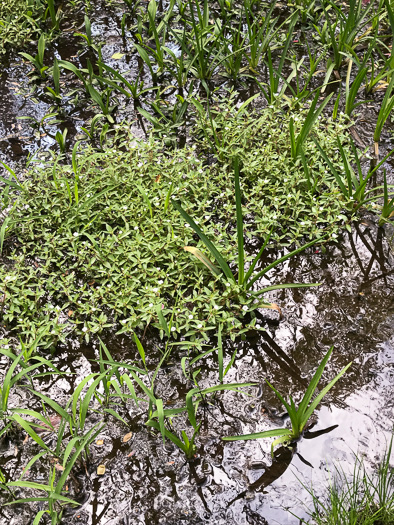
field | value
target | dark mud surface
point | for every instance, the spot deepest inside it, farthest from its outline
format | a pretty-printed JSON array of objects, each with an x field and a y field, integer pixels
[{"x": 238, "y": 483}]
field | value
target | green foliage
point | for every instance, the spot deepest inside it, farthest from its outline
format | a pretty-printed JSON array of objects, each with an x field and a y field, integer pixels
[
  {"x": 19, "y": 22},
  {"x": 299, "y": 416},
  {"x": 363, "y": 498},
  {"x": 245, "y": 281},
  {"x": 354, "y": 186},
  {"x": 106, "y": 252}
]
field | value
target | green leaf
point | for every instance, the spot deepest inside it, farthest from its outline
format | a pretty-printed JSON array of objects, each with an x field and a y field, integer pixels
[
  {"x": 258, "y": 435},
  {"x": 240, "y": 226},
  {"x": 317, "y": 400},
  {"x": 203, "y": 258},
  {"x": 25, "y": 425},
  {"x": 222, "y": 263},
  {"x": 140, "y": 348}
]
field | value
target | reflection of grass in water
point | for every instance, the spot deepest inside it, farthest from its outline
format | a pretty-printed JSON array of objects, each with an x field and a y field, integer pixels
[{"x": 365, "y": 499}]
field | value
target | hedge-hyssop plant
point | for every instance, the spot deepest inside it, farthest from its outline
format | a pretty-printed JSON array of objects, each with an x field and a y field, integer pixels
[{"x": 99, "y": 245}]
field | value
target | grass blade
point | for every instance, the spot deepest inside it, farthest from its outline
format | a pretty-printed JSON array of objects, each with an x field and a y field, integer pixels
[
  {"x": 221, "y": 261},
  {"x": 267, "y": 433},
  {"x": 203, "y": 258},
  {"x": 240, "y": 232}
]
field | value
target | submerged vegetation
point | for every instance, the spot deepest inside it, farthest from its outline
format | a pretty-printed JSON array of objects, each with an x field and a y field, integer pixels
[{"x": 250, "y": 111}]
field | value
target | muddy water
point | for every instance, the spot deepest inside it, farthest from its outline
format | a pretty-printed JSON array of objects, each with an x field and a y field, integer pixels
[{"x": 238, "y": 483}]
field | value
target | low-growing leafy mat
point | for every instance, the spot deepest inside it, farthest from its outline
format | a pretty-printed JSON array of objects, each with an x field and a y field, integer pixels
[
  {"x": 98, "y": 243},
  {"x": 148, "y": 482}
]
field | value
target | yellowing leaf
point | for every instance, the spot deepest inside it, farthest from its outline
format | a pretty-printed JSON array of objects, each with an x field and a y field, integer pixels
[
  {"x": 272, "y": 306},
  {"x": 127, "y": 437},
  {"x": 203, "y": 258},
  {"x": 100, "y": 442},
  {"x": 101, "y": 470},
  {"x": 117, "y": 56}
]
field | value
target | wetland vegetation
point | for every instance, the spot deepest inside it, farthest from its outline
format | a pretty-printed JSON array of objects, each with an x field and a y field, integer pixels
[{"x": 195, "y": 215}]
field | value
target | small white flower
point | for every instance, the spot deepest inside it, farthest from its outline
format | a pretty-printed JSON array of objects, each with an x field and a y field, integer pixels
[
  {"x": 61, "y": 184},
  {"x": 160, "y": 281},
  {"x": 216, "y": 307},
  {"x": 139, "y": 164},
  {"x": 228, "y": 284},
  {"x": 190, "y": 316},
  {"x": 84, "y": 329},
  {"x": 173, "y": 328},
  {"x": 186, "y": 225},
  {"x": 334, "y": 236},
  {"x": 120, "y": 233},
  {"x": 75, "y": 234},
  {"x": 258, "y": 326},
  {"x": 155, "y": 289},
  {"x": 136, "y": 227},
  {"x": 150, "y": 305},
  {"x": 245, "y": 308},
  {"x": 125, "y": 207},
  {"x": 207, "y": 217},
  {"x": 199, "y": 326}
]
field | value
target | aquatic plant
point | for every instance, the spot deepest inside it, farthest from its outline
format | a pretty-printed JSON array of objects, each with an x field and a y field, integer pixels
[
  {"x": 299, "y": 416},
  {"x": 272, "y": 91},
  {"x": 245, "y": 279},
  {"x": 88, "y": 28},
  {"x": 297, "y": 143},
  {"x": 363, "y": 497},
  {"x": 128, "y": 228},
  {"x": 388, "y": 204},
  {"x": 54, "y": 497},
  {"x": 55, "y": 91},
  {"x": 261, "y": 34},
  {"x": 38, "y": 60},
  {"x": 351, "y": 91},
  {"x": 60, "y": 138},
  {"x": 354, "y": 186},
  {"x": 19, "y": 23},
  {"x": 343, "y": 30},
  {"x": 384, "y": 113}
]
